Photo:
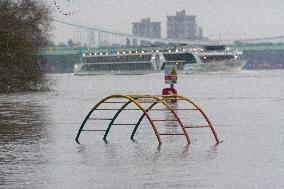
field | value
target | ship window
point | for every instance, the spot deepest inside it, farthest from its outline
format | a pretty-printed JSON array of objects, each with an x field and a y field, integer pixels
[
  {"x": 216, "y": 58},
  {"x": 186, "y": 57},
  {"x": 116, "y": 67},
  {"x": 214, "y": 47},
  {"x": 122, "y": 58}
]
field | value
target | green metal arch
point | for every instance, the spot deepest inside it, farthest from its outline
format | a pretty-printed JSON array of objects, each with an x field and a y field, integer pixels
[
  {"x": 140, "y": 119},
  {"x": 119, "y": 96}
]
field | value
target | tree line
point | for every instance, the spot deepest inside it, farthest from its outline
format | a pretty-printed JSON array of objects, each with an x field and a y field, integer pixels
[{"x": 24, "y": 29}]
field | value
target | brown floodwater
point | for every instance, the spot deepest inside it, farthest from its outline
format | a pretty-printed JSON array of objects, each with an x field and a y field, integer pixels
[{"x": 38, "y": 130}]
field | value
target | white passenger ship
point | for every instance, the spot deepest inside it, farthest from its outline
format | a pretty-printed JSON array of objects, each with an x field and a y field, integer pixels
[{"x": 207, "y": 58}]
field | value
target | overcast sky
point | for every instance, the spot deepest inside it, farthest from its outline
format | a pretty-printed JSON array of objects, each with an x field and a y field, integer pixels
[{"x": 225, "y": 19}]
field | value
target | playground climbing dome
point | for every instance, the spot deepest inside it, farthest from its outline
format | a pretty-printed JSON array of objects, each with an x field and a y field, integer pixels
[{"x": 145, "y": 105}]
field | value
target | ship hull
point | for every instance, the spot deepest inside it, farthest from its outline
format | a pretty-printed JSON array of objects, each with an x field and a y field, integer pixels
[
  {"x": 120, "y": 72},
  {"x": 220, "y": 66}
]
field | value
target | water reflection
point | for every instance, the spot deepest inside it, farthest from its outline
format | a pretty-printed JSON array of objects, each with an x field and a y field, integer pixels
[
  {"x": 212, "y": 152},
  {"x": 21, "y": 120},
  {"x": 22, "y": 127},
  {"x": 171, "y": 125}
]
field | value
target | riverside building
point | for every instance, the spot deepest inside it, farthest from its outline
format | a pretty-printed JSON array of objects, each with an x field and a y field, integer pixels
[{"x": 182, "y": 26}]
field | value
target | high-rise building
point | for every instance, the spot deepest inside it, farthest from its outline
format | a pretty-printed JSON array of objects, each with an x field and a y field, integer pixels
[
  {"x": 91, "y": 41},
  {"x": 183, "y": 26},
  {"x": 200, "y": 32},
  {"x": 146, "y": 28}
]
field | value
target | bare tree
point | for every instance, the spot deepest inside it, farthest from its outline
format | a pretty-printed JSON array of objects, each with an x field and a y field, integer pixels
[{"x": 24, "y": 27}]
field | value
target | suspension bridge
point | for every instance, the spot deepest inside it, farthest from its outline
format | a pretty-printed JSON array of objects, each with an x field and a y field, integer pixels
[
  {"x": 96, "y": 37},
  {"x": 92, "y": 36}
]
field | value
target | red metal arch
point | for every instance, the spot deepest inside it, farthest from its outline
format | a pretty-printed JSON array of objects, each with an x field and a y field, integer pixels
[{"x": 179, "y": 97}]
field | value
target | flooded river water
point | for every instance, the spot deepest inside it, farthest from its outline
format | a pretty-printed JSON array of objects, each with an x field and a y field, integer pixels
[{"x": 38, "y": 148}]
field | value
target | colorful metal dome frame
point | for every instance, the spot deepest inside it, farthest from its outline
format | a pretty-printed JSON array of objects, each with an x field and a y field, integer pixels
[{"x": 153, "y": 100}]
